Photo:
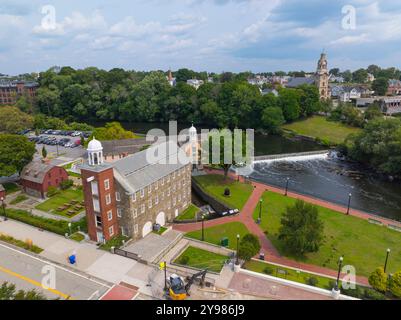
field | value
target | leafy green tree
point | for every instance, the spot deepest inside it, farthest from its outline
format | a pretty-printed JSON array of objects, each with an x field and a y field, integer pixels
[
  {"x": 289, "y": 102},
  {"x": 360, "y": 76},
  {"x": 9, "y": 292},
  {"x": 301, "y": 228},
  {"x": 112, "y": 131},
  {"x": 253, "y": 240},
  {"x": 13, "y": 120},
  {"x": 272, "y": 119},
  {"x": 378, "y": 280},
  {"x": 15, "y": 153},
  {"x": 44, "y": 152},
  {"x": 310, "y": 100},
  {"x": 373, "y": 111},
  {"x": 246, "y": 251},
  {"x": 380, "y": 86},
  {"x": 335, "y": 71},
  {"x": 395, "y": 284}
]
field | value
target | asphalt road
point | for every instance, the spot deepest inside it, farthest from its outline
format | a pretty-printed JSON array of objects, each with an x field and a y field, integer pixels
[{"x": 28, "y": 272}]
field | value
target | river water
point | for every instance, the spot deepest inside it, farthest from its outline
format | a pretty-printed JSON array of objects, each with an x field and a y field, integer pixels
[{"x": 322, "y": 177}]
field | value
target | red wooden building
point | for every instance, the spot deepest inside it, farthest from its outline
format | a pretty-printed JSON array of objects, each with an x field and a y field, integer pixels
[
  {"x": 2, "y": 192},
  {"x": 38, "y": 176}
]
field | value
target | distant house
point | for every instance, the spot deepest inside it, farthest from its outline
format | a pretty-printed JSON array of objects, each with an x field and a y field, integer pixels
[
  {"x": 38, "y": 176},
  {"x": 394, "y": 87},
  {"x": 337, "y": 79},
  {"x": 2, "y": 192},
  {"x": 388, "y": 105},
  {"x": 267, "y": 91},
  {"x": 346, "y": 93},
  {"x": 195, "y": 83}
]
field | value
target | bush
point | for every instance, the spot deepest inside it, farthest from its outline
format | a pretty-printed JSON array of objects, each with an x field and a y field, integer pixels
[
  {"x": 227, "y": 192},
  {"x": 52, "y": 191},
  {"x": 370, "y": 294},
  {"x": 184, "y": 260},
  {"x": 378, "y": 280},
  {"x": 268, "y": 270},
  {"x": 312, "y": 281},
  {"x": 253, "y": 240},
  {"x": 246, "y": 251},
  {"x": 395, "y": 284},
  {"x": 66, "y": 184}
]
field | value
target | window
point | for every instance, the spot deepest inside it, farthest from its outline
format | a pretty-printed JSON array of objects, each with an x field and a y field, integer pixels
[
  {"x": 179, "y": 172},
  {"x": 168, "y": 178},
  {"x": 106, "y": 184},
  {"x": 174, "y": 201},
  {"x": 162, "y": 196},
  {"x": 150, "y": 189},
  {"x": 150, "y": 203},
  {"x": 174, "y": 175},
  {"x": 168, "y": 192},
  {"x": 163, "y": 181},
  {"x": 134, "y": 213},
  {"x": 119, "y": 212},
  {"x": 136, "y": 228},
  {"x": 96, "y": 205},
  {"x": 109, "y": 215},
  {"x": 133, "y": 197},
  {"x": 98, "y": 221},
  {"x": 179, "y": 198},
  {"x": 156, "y": 199},
  {"x": 123, "y": 231},
  {"x": 94, "y": 188},
  {"x": 118, "y": 196},
  {"x": 142, "y": 208},
  {"x": 111, "y": 231},
  {"x": 142, "y": 193},
  {"x": 156, "y": 185},
  {"x": 108, "y": 198}
]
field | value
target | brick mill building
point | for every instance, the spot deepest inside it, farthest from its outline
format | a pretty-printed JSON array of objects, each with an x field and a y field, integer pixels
[
  {"x": 10, "y": 91},
  {"x": 38, "y": 176},
  {"x": 131, "y": 195}
]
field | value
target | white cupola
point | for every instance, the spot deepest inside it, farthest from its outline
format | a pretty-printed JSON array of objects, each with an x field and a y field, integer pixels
[
  {"x": 192, "y": 134},
  {"x": 95, "y": 152}
]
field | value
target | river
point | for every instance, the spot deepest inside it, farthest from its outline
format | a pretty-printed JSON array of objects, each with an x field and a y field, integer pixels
[{"x": 320, "y": 177}]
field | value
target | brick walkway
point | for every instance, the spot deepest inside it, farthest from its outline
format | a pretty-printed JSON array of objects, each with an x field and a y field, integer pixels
[{"x": 271, "y": 253}]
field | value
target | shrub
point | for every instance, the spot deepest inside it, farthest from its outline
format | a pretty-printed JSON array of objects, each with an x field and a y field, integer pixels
[
  {"x": 395, "y": 284},
  {"x": 246, "y": 251},
  {"x": 66, "y": 184},
  {"x": 184, "y": 260},
  {"x": 370, "y": 294},
  {"x": 52, "y": 191},
  {"x": 312, "y": 281},
  {"x": 227, "y": 192},
  {"x": 268, "y": 270},
  {"x": 378, "y": 280}
]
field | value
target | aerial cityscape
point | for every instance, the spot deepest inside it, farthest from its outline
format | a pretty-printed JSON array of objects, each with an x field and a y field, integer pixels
[{"x": 216, "y": 151}]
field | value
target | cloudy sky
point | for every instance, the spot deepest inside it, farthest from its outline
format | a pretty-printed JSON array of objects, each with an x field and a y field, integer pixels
[{"x": 212, "y": 35}]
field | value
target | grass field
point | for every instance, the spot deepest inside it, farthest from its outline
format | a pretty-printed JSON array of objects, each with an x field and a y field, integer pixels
[
  {"x": 201, "y": 259},
  {"x": 362, "y": 244},
  {"x": 319, "y": 127},
  {"x": 216, "y": 233},
  {"x": 216, "y": 184},
  {"x": 65, "y": 196},
  {"x": 189, "y": 213},
  {"x": 18, "y": 199}
]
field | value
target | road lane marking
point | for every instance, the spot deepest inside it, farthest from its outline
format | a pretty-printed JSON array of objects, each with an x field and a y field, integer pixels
[{"x": 35, "y": 283}]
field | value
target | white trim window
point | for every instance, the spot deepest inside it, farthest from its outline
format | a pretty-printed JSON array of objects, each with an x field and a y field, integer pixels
[
  {"x": 107, "y": 184},
  {"x": 119, "y": 212},
  {"x": 150, "y": 189},
  {"x": 168, "y": 178},
  {"x": 156, "y": 185},
  {"x": 136, "y": 228},
  {"x": 109, "y": 215},
  {"x": 168, "y": 192},
  {"x": 142, "y": 193},
  {"x": 143, "y": 208},
  {"x": 150, "y": 203},
  {"x": 135, "y": 213},
  {"x": 179, "y": 198},
  {"x": 133, "y": 197},
  {"x": 163, "y": 181},
  {"x": 157, "y": 199},
  {"x": 111, "y": 231},
  {"x": 108, "y": 199},
  {"x": 98, "y": 221},
  {"x": 123, "y": 232},
  {"x": 118, "y": 196}
]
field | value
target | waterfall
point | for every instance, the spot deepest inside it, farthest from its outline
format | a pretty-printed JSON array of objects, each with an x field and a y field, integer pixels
[{"x": 293, "y": 157}]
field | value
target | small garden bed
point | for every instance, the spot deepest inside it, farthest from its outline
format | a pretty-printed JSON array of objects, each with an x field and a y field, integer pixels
[
  {"x": 189, "y": 213},
  {"x": 115, "y": 242},
  {"x": 78, "y": 237},
  {"x": 67, "y": 203},
  {"x": 161, "y": 231},
  {"x": 201, "y": 259},
  {"x": 18, "y": 199},
  {"x": 25, "y": 245}
]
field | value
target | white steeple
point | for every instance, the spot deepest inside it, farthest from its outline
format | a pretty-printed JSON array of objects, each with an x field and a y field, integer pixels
[
  {"x": 193, "y": 140},
  {"x": 95, "y": 152}
]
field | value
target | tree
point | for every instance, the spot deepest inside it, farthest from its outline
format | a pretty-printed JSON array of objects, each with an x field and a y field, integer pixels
[
  {"x": 310, "y": 100},
  {"x": 248, "y": 247},
  {"x": 373, "y": 111},
  {"x": 289, "y": 102},
  {"x": 378, "y": 280},
  {"x": 44, "y": 152},
  {"x": 112, "y": 131},
  {"x": 272, "y": 119},
  {"x": 15, "y": 153},
  {"x": 13, "y": 120},
  {"x": 301, "y": 228},
  {"x": 9, "y": 292},
  {"x": 335, "y": 71},
  {"x": 347, "y": 75},
  {"x": 395, "y": 284},
  {"x": 360, "y": 76},
  {"x": 380, "y": 86}
]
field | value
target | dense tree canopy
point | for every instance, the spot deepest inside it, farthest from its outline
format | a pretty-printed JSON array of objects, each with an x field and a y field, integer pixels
[
  {"x": 12, "y": 120},
  {"x": 15, "y": 152}
]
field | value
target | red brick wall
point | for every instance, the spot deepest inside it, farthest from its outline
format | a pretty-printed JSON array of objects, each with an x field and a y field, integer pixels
[
  {"x": 2, "y": 194},
  {"x": 100, "y": 177}
]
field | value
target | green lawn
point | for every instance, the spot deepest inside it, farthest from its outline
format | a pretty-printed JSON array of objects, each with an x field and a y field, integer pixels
[
  {"x": 10, "y": 187},
  {"x": 216, "y": 233},
  {"x": 201, "y": 259},
  {"x": 161, "y": 231},
  {"x": 78, "y": 237},
  {"x": 216, "y": 184},
  {"x": 189, "y": 213},
  {"x": 19, "y": 198},
  {"x": 362, "y": 244},
  {"x": 288, "y": 274},
  {"x": 319, "y": 127},
  {"x": 63, "y": 197},
  {"x": 115, "y": 242}
]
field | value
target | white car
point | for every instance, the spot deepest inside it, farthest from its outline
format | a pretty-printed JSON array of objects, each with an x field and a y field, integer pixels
[{"x": 76, "y": 133}]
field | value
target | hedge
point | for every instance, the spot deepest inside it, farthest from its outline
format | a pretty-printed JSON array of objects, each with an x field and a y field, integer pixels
[{"x": 56, "y": 226}]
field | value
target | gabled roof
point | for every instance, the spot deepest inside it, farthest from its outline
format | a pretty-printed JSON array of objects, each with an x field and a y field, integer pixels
[
  {"x": 298, "y": 81},
  {"x": 36, "y": 171}
]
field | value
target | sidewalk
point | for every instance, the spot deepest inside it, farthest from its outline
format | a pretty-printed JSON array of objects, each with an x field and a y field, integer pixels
[{"x": 90, "y": 260}]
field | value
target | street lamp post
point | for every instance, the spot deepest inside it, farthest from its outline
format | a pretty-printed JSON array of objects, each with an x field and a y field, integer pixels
[
  {"x": 385, "y": 263},
  {"x": 237, "y": 259},
  {"x": 340, "y": 264},
  {"x": 349, "y": 203},
  {"x": 69, "y": 227},
  {"x": 260, "y": 211},
  {"x": 286, "y": 186},
  {"x": 3, "y": 205},
  {"x": 203, "y": 228}
]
